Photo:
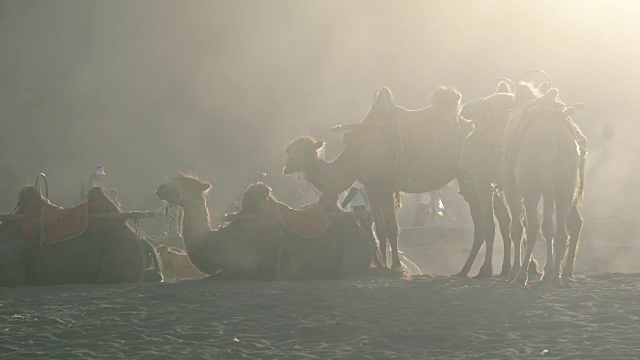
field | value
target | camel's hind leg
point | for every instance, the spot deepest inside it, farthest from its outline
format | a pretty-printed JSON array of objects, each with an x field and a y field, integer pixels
[
  {"x": 504, "y": 221},
  {"x": 548, "y": 232},
  {"x": 533, "y": 227},
  {"x": 574, "y": 225}
]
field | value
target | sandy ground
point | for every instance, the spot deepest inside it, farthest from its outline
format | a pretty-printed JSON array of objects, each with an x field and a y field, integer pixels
[{"x": 427, "y": 317}]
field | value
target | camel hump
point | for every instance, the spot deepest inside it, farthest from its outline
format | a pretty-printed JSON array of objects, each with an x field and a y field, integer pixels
[{"x": 551, "y": 96}]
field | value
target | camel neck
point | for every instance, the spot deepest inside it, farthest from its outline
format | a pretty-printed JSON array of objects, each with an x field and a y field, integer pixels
[
  {"x": 334, "y": 176},
  {"x": 195, "y": 223}
]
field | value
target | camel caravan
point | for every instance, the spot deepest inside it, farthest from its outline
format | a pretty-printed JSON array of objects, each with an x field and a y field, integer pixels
[{"x": 507, "y": 151}]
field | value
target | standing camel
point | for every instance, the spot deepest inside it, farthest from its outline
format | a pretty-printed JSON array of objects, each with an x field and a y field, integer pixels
[
  {"x": 415, "y": 151},
  {"x": 108, "y": 252},
  {"x": 544, "y": 154},
  {"x": 479, "y": 165},
  {"x": 480, "y": 185},
  {"x": 481, "y": 168}
]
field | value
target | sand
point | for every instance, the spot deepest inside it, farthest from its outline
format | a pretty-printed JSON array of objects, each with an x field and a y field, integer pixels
[
  {"x": 428, "y": 317},
  {"x": 596, "y": 317}
]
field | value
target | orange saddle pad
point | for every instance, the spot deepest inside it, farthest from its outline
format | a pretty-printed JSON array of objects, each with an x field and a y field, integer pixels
[
  {"x": 58, "y": 224},
  {"x": 308, "y": 222}
]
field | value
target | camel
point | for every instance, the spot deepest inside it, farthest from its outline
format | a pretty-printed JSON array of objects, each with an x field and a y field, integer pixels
[
  {"x": 544, "y": 158},
  {"x": 479, "y": 184},
  {"x": 491, "y": 116},
  {"x": 110, "y": 253},
  {"x": 414, "y": 151},
  {"x": 261, "y": 248},
  {"x": 176, "y": 265}
]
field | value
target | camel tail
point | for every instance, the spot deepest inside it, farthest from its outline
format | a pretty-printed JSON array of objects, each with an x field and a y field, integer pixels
[{"x": 397, "y": 199}]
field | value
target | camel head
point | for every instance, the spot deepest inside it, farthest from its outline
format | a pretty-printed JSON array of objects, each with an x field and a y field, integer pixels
[
  {"x": 444, "y": 98},
  {"x": 493, "y": 108},
  {"x": 183, "y": 187},
  {"x": 255, "y": 197},
  {"x": 384, "y": 107},
  {"x": 300, "y": 153},
  {"x": 30, "y": 201}
]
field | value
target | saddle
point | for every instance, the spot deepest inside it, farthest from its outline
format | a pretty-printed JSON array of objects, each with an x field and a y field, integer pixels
[
  {"x": 58, "y": 224},
  {"x": 308, "y": 222}
]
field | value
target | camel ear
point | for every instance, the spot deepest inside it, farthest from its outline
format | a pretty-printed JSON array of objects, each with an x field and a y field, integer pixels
[
  {"x": 503, "y": 88},
  {"x": 205, "y": 187},
  {"x": 544, "y": 87},
  {"x": 318, "y": 144}
]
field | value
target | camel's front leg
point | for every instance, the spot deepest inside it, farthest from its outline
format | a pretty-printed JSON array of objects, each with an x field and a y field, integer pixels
[
  {"x": 574, "y": 225},
  {"x": 504, "y": 221},
  {"x": 387, "y": 206},
  {"x": 381, "y": 233},
  {"x": 480, "y": 230}
]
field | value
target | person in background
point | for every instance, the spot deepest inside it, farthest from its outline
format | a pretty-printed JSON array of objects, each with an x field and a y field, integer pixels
[
  {"x": 95, "y": 179},
  {"x": 355, "y": 199},
  {"x": 429, "y": 207}
]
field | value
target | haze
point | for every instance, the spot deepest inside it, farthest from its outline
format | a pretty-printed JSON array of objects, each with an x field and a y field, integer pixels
[{"x": 218, "y": 88}]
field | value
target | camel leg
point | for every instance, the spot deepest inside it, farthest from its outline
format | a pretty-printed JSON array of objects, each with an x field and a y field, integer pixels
[
  {"x": 488, "y": 231},
  {"x": 381, "y": 233},
  {"x": 574, "y": 225},
  {"x": 387, "y": 206},
  {"x": 504, "y": 220},
  {"x": 548, "y": 233},
  {"x": 478, "y": 235},
  {"x": 561, "y": 236},
  {"x": 533, "y": 228},
  {"x": 516, "y": 230}
]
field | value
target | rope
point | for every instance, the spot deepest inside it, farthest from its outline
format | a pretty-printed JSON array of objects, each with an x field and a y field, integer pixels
[{"x": 141, "y": 248}]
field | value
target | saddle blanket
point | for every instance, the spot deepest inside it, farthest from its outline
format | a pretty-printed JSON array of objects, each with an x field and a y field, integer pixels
[
  {"x": 58, "y": 224},
  {"x": 309, "y": 222}
]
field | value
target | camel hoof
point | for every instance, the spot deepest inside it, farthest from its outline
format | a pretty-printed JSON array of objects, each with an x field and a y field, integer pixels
[
  {"x": 512, "y": 274},
  {"x": 462, "y": 274},
  {"x": 484, "y": 274},
  {"x": 568, "y": 276},
  {"x": 504, "y": 272},
  {"x": 520, "y": 278}
]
